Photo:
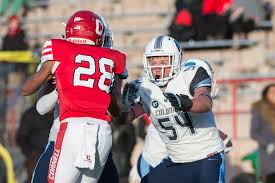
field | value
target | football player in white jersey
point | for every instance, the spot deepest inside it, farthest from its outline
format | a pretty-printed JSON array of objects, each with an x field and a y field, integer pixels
[
  {"x": 154, "y": 149},
  {"x": 179, "y": 104}
]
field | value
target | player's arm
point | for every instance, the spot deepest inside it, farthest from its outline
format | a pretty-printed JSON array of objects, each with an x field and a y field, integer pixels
[
  {"x": 200, "y": 89},
  {"x": 202, "y": 101},
  {"x": 46, "y": 88},
  {"x": 134, "y": 112},
  {"x": 47, "y": 97},
  {"x": 34, "y": 82},
  {"x": 115, "y": 106},
  {"x": 47, "y": 102}
]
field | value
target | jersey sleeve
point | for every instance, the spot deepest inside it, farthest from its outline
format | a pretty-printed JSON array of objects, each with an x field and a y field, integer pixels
[
  {"x": 200, "y": 79},
  {"x": 50, "y": 52},
  {"x": 47, "y": 102},
  {"x": 47, "y": 52},
  {"x": 124, "y": 75},
  {"x": 120, "y": 64}
]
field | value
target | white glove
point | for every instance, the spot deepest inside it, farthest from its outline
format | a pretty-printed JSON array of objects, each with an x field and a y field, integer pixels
[
  {"x": 270, "y": 148},
  {"x": 129, "y": 96}
]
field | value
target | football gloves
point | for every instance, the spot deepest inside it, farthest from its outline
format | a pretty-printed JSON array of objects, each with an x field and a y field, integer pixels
[
  {"x": 130, "y": 96},
  {"x": 180, "y": 102}
]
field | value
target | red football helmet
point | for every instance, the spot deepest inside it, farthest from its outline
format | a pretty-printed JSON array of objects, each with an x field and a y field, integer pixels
[{"x": 85, "y": 27}]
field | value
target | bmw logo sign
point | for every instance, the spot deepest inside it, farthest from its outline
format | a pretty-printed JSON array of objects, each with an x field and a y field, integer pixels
[{"x": 155, "y": 103}]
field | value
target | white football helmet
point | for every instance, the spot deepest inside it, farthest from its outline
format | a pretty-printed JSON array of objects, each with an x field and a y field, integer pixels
[
  {"x": 202, "y": 63},
  {"x": 162, "y": 46}
]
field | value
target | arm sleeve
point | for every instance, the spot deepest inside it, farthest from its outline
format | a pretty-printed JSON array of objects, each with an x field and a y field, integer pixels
[
  {"x": 124, "y": 75},
  {"x": 23, "y": 41},
  {"x": 255, "y": 129},
  {"x": 47, "y": 52},
  {"x": 120, "y": 64},
  {"x": 51, "y": 54},
  {"x": 201, "y": 79},
  {"x": 47, "y": 102}
]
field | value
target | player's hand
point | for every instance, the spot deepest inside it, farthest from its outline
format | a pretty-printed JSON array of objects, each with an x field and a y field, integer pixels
[
  {"x": 180, "y": 102},
  {"x": 130, "y": 96}
]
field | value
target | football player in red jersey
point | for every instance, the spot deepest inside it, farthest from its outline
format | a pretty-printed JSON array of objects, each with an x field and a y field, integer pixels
[{"x": 88, "y": 85}]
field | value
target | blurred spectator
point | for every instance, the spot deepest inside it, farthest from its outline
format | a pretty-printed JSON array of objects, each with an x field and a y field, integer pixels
[
  {"x": 214, "y": 13},
  {"x": 194, "y": 6},
  {"x": 263, "y": 131},
  {"x": 13, "y": 73},
  {"x": 32, "y": 136},
  {"x": 241, "y": 24},
  {"x": 181, "y": 27},
  {"x": 15, "y": 38},
  {"x": 268, "y": 10},
  {"x": 215, "y": 7},
  {"x": 124, "y": 140},
  {"x": 198, "y": 19}
]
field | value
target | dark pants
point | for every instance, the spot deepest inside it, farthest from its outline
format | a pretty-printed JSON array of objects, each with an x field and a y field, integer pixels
[
  {"x": 30, "y": 163},
  {"x": 270, "y": 178},
  {"x": 208, "y": 170},
  {"x": 109, "y": 173},
  {"x": 40, "y": 174}
]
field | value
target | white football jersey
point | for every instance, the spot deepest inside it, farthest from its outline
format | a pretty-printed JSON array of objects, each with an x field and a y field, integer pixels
[
  {"x": 188, "y": 136},
  {"x": 154, "y": 149}
]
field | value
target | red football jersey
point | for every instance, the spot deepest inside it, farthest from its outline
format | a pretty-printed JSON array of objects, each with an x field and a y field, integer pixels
[{"x": 84, "y": 76}]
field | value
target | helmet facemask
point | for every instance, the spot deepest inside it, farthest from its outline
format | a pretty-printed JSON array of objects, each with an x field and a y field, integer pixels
[
  {"x": 162, "y": 47},
  {"x": 164, "y": 75},
  {"x": 108, "y": 39},
  {"x": 108, "y": 35}
]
